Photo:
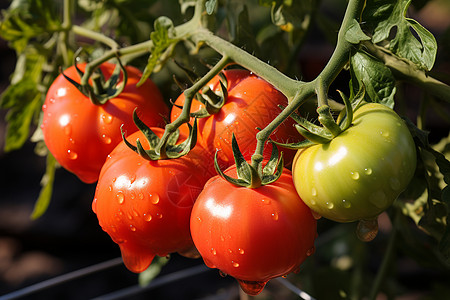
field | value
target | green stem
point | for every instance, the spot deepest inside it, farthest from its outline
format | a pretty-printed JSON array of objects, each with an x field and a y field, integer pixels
[
  {"x": 189, "y": 94},
  {"x": 404, "y": 69},
  {"x": 389, "y": 253},
  {"x": 64, "y": 35},
  {"x": 95, "y": 36}
]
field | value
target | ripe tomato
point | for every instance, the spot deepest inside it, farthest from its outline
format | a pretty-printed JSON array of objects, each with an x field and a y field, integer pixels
[
  {"x": 252, "y": 234},
  {"x": 360, "y": 172},
  {"x": 252, "y": 102},
  {"x": 80, "y": 134},
  {"x": 144, "y": 205}
]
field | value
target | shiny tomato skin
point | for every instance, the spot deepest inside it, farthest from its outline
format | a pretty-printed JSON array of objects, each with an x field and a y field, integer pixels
[
  {"x": 80, "y": 134},
  {"x": 360, "y": 172},
  {"x": 145, "y": 206},
  {"x": 252, "y": 234},
  {"x": 251, "y": 103}
]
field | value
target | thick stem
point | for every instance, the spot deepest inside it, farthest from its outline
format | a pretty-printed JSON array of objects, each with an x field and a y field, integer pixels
[
  {"x": 96, "y": 36},
  {"x": 189, "y": 94},
  {"x": 403, "y": 69},
  {"x": 64, "y": 35}
]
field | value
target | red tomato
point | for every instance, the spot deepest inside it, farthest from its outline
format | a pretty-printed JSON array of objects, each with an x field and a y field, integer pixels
[
  {"x": 252, "y": 102},
  {"x": 145, "y": 205},
  {"x": 80, "y": 134},
  {"x": 253, "y": 234}
]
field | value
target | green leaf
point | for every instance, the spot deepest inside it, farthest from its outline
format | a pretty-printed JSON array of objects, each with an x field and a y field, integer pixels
[
  {"x": 23, "y": 101},
  {"x": 354, "y": 34},
  {"x": 411, "y": 40},
  {"x": 210, "y": 6},
  {"x": 377, "y": 79},
  {"x": 41, "y": 205},
  {"x": 163, "y": 38}
]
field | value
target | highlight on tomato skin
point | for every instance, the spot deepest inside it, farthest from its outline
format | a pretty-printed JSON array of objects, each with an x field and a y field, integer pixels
[
  {"x": 80, "y": 134},
  {"x": 251, "y": 103},
  {"x": 145, "y": 206},
  {"x": 254, "y": 234},
  {"x": 360, "y": 172}
]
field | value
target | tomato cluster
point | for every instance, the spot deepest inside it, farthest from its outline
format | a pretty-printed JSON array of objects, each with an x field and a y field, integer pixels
[{"x": 158, "y": 207}]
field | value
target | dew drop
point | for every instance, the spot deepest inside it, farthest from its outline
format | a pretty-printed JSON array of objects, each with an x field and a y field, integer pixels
[
  {"x": 314, "y": 192},
  {"x": 385, "y": 134},
  {"x": 154, "y": 199},
  {"x": 252, "y": 288},
  {"x": 159, "y": 215},
  {"x": 222, "y": 273},
  {"x": 44, "y": 107},
  {"x": 394, "y": 183},
  {"x": 241, "y": 251},
  {"x": 72, "y": 154},
  {"x": 120, "y": 197},
  {"x": 132, "y": 228},
  {"x": 316, "y": 215},
  {"x": 234, "y": 264},
  {"x": 312, "y": 201},
  {"x": 147, "y": 217},
  {"x": 222, "y": 238},
  {"x": 68, "y": 129},
  {"x": 346, "y": 203},
  {"x": 265, "y": 201},
  {"x": 132, "y": 195},
  {"x": 368, "y": 171},
  {"x": 329, "y": 205},
  {"x": 129, "y": 216},
  {"x": 367, "y": 230},
  {"x": 275, "y": 216},
  {"x": 141, "y": 196},
  {"x": 213, "y": 251},
  {"x": 106, "y": 139},
  {"x": 354, "y": 175},
  {"x": 311, "y": 251},
  {"x": 107, "y": 118},
  {"x": 135, "y": 213},
  {"x": 230, "y": 251}
]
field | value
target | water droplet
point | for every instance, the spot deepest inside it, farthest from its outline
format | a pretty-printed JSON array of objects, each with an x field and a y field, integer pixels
[
  {"x": 132, "y": 195},
  {"x": 234, "y": 264},
  {"x": 312, "y": 201},
  {"x": 346, "y": 203},
  {"x": 329, "y": 205},
  {"x": 367, "y": 230},
  {"x": 120, "y": 197},
  {"x": 68, "y": 129},
  {"x": 223, "y": 274},
  {"x": 275, "y": 216},
  {"x": 107, "y": 118},
  {"x": 110, "y": 188},
  {"x": 199, "y": 219},
  {"x": 394, "y": 183},
  {"x": 135, "y": 213},
  {"x": 379, "y": 199},
  {"x": 222, "y": 238},
  {"x": 106, "y": 139},
  {"x": 314, "y": 192},
  {"x": 311, "y": 251},
  {"x": 316, "y": 215},
  {"x": 230, "y": 251},
  {"x": 72, "y": 154},
  {"x": 141, "y": 196},
  {"x": 265, "y": 201},
  {"x": 252, "y": 288},
  {"x": 147, "y": 217},
  {"x": 354, "y": 175},
  {"x": 154, "y": 199},
  {"x": 241, "y": 251},
  {"x": 132, "y": 228},
  {"x": 44, "y": 107},
  {"x": 213, "y": 251},
  {"x": 129, "y": 216},
  {"x": 368, "y": 171},
  {"x": 385, "y": 134},
  {"x": 159, "y": 215}
]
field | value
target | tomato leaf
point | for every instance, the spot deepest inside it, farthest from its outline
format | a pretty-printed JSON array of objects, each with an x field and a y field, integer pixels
[
  {"x": 354, "y": 34},
  {"x": 377, "y": 79},
  {"x": 410, "y": 41},
  {"x": 42, "y": 203},
  {"x": 163, "y": 38}
]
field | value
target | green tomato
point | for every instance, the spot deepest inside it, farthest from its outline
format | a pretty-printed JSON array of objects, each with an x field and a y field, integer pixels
[{"x": 360, "y": 172}]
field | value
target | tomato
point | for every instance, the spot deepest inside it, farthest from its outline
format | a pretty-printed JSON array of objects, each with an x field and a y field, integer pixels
[
  {"x": 251, "y": 103},
  {"x": 144, "y": 205},
  {"x": 80, "y": 134},
  {"x": 361, "y": 171},
  {"x": 255, "y": 234}
]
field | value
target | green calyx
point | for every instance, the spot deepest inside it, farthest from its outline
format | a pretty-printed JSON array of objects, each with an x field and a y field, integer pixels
[
  {"x": 250, "y": 176},
  {"x": 170, "y": 149},
  {"x": 212, "y": 101},
  {"x": 101, "y": 90}
]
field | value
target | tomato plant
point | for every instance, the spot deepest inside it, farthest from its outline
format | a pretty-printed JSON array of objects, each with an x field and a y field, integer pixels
[
  {"x": 81, "y": 134},
  {"x": 361, "y": 171},
  {"x": 237, "y": 230},
  {"x": 145, "y": 205},
  {"x": 250, "y": 103}
]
